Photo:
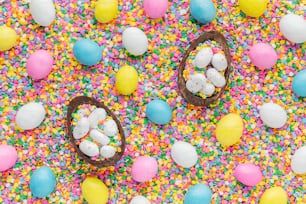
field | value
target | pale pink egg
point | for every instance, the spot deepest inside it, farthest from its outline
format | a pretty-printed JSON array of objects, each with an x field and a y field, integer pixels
[
  {"x": 8, "y": 157},
  {"x": 39, "y": 64},
  {"x": 144, "y": 168},
  {"x": 248, "y": 174},
  {"x": 155, "y": 8},
  {"x": 263, "y": 55}
]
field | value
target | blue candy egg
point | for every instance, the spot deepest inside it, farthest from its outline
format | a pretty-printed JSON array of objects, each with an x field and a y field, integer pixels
[
  {"x": 198, "y": 194},
  {"x": 203, "y": 11},
  {"x": 159, "y": 112},
  {"x": 87, "y": 52},
  {"x": 299, "y": 83},
  {"x": 42, "y": 182}
]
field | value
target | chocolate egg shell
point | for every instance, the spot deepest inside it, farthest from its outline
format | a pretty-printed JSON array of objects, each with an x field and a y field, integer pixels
[
  {"x": 72, "y": 107},
  {"x": 189, "y": 96}
]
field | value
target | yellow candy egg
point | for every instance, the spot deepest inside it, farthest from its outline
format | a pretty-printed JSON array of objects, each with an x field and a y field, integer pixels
[
  {"x": 126, "y": 80},
  {"x": 8, "y": 38},
  {"x": 94, "y": 191},
  {"x": 106, "y": 10},
  {"x": 229, "y": 129},
  {"x": 253, "y": 8},
  {"x": 274, "y": 195}
]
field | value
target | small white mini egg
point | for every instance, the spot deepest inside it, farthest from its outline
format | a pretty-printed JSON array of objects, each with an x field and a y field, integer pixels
[
  {"x": 99, "y": 137},
  {"x": 195, "y": 83},
  {"x": 273, "y": 115},
  {"x": 184, "y": 154},
  {"x": 89, "y": 148},
  {"x": 219, "y": 62},
  {"x": 97, "y": 115},
  {"x": 135, "y": 41},
  {"x": 81, "y": 129},
  {"x": 107, "y": 151},
  {"x": 215, "y": 77},
  {"x": 110, "y": 128},
  {"x": 140, "y": 200},
  {"x": 203, "y": 57},
  {"x": 208, "y": 89}
]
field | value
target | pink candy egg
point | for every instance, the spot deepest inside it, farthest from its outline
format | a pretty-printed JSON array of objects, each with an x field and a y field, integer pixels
[
  {"x": 248, "y": 174},
  {"x": 263, "y": 55},
  {"x": 155, "y": 8},
  {"x": 144, "y": 168},
  {"x": 8, "y": 157},
  {"x": 39, "y": 64}
]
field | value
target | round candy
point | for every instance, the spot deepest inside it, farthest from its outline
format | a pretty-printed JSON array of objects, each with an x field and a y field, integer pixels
[
  {"x": 39, "y": 64},
  {"x": 298, "y": 161},
  {"x": 184, "y": 154},
  {"x": 135, "y": 41},
  {"x": 159, "y": 112},
  {"x": 8, "y": 38},
  {"x": 203, "y": 11},
  {"x": 155, "y": 8},
  {"x": 30, "y": 116},
  {"x": 198, "y": 194},
  {"x": 229, "y": 129},
  {"x": 8, "y": 157},
  {"x": 106, "y": 10},
  {"x": 144, "y": 168},
  {"x": 253, "y": 8},
  {"x": 203, "y": 57},
  {"x": 263, "y": 55},
  {"x": 87, "y": 52},
  {"x": 42, "y": 182},
  {"x": 274, "y": 195},
  {"x": 94, "y": 191},
  {"x": 293, "y": 28},
  {"x": 299, "y": 83},
  {"x": 42, "y": 11},
  {"x": 126, "y": 80},
  {"x": 140, "y": 200},
  {"x": 248, "y": 174},
  {"x": 273, "y": 115}
]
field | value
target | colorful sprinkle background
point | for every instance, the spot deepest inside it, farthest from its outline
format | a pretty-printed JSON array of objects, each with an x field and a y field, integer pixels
[{"x": 48, "y": 144}]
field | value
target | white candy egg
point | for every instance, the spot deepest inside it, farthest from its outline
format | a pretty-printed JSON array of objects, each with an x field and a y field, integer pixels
[
  {"x": 219, "y": 62},
  {"x": 293, "y": 28},
  {"x": 99, "y": 137},
  {"x": 42, "y": 11},
  {"x": 208, "y": 89},
  {"x": 96, "y": 116},
  {"x": 30, "y": 116},
  {"x": 273, "y": 115},
  {"x": 89, "y": 148},
  {"x": 110, "y": 128},
  {"x": 140, "y": 200},
  {"x": 135, "y": 41},
  {"x": 107, "y": 151},
  {"x": 203, "y": 57},
  {"x": 195, "y": 83},
  {"x": 81, "y": 129},
  {"x": 215, "y": 77},
  {"x": 298, "y": 161},
  {"x": 184, "y": 154}
]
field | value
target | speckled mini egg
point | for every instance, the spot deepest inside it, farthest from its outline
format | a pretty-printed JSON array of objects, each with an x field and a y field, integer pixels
[
  {"x": 219, "y": 62},
  {"x": 203, "y": 57}
]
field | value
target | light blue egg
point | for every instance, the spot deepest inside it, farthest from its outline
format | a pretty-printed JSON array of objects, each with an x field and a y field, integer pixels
[
  {"x": 87, "y": 52},
  {"x": 42, "y": 182},
  {"x": 198, "y": 194},
  {"x": 159, "y": 112},
  {"x": 299, "y": 83},
  {"x": 203, "y": 11}
]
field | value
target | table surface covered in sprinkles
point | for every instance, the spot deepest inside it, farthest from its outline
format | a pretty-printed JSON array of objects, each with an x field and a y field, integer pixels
[{"x": 48, "y": 144}]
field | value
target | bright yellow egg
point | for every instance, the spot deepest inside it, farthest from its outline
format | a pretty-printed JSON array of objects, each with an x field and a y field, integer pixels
[
  {"x": 8, "y": 38},
  {"x": 274, "y": 195},
  {"x": 253, "y": 8},
  {"x": 106, "y": 10},
  {"x": 229, "y": 129},
  {"x": 126, "y": 80},
  {"x": 94, "y": 191}
]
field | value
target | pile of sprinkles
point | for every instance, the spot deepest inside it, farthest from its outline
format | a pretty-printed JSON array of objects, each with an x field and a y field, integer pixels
[{"x": 47, "y": 147}]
